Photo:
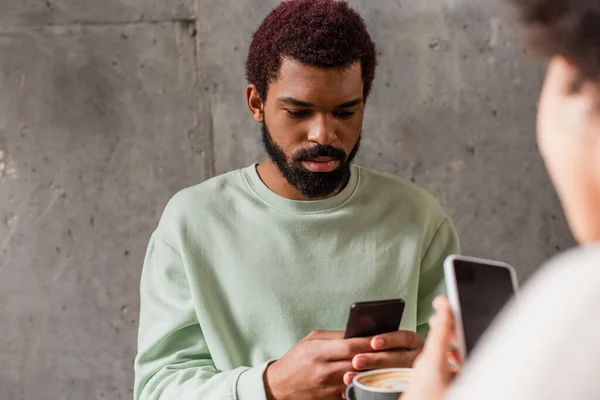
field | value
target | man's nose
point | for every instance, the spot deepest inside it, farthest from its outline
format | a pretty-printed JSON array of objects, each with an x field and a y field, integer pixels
[{"x": 322, "y": 131}]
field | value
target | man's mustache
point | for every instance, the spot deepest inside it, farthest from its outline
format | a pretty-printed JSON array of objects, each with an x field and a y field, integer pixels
[{"x": 320, "y": 151}]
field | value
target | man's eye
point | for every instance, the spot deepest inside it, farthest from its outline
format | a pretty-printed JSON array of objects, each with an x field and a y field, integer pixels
[
  {"x": 298, "y": 113},
  {"x": 344, "y": 114}
]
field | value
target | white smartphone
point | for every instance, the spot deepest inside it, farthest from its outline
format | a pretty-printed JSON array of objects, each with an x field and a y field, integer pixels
[{"x": 477, "y": 289}]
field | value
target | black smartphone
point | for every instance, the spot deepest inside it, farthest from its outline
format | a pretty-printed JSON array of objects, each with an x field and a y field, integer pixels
[{"x": 370, "y": 318}]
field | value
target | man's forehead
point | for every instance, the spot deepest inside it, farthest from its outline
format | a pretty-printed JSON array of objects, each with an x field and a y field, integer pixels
[{"x": 309, "y": 83}]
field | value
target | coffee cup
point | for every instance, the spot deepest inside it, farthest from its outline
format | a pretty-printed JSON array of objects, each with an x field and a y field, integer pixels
[{"x": 379, "y": 384}]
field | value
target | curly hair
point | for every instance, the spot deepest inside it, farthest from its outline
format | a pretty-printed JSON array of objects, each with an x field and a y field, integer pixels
[
  {"x": 569, "y": 28},
  {"x": 320, "y": 33}
]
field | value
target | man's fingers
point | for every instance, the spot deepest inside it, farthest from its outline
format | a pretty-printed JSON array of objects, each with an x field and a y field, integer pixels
[
  {"x": 384, "y": 359},
  {"x": 349, "y": 376},
  {"x": 324, "y": 335},
  {"x": 397, "y": 340},
  {"x": 337, "y": 369},
  {"x": 334, "y": 374},
  {"x": 345, "y": 349}
]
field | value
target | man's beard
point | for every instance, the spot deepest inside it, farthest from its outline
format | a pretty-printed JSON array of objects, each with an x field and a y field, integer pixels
[{"x": 313, "y": 185}]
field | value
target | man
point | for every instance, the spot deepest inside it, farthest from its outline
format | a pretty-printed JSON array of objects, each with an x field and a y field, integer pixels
[{"x": 244, "y": 268}]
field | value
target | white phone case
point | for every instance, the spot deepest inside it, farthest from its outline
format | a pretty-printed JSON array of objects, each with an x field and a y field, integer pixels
[{"x": 452, "y": 291}]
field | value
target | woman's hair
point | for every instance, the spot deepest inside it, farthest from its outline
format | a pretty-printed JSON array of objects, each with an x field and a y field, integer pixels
[{"x": 569, "y": 28}]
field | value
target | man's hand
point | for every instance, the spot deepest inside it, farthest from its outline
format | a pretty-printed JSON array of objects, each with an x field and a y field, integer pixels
[
  {"x": 315, "y": 367},
  {"x": 391, "y": 350}
]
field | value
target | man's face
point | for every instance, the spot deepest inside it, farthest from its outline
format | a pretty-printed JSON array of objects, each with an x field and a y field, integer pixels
[{"x": 312, "y": 125}]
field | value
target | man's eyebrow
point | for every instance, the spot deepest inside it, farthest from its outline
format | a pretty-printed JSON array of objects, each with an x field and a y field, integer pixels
[
  {"x": 300, "y": 103},
  {"x": 350, "y": 103},
  {"x": 295, "y": 102}
]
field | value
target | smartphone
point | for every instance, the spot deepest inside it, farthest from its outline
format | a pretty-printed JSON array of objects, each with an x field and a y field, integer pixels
[
  {"x": 478, "y": 290},
  {"x": 370, "y": 318}
]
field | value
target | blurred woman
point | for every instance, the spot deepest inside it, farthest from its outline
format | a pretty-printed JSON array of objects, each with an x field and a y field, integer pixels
[{"x": 547, "y": 344}]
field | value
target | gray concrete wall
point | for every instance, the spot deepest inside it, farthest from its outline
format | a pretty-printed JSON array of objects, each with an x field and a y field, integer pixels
[{"x": 108, "y": 108}]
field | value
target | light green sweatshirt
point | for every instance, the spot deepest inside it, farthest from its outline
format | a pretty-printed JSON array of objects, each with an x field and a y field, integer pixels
[{"x": 236, "y": 275}]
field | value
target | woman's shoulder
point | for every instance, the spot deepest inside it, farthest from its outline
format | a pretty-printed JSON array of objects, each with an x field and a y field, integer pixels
[
  {"x": 545, "y": 344},
  {"x": 575, "y": 269}
]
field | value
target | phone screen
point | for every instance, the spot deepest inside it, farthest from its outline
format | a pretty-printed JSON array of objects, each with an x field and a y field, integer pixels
[
  {"x": 483, "y": 290},
  {"x": 372, "y": 318}
]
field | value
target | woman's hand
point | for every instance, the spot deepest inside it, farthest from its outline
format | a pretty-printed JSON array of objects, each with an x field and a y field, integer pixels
[{"x": 433, "y": 374}]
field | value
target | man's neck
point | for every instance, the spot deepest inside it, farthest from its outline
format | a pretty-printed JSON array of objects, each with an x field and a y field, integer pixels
[{"x": 276, "y": 182}]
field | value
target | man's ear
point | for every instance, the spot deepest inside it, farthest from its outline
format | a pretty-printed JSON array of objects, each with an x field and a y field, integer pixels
[{"x": 255, "y": 104}]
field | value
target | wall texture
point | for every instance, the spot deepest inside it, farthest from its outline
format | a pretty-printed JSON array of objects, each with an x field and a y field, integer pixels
[{"x": 108, "y": 108}]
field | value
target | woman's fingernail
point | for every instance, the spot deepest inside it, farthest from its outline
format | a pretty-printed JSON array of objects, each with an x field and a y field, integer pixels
[
  {"x": 433, "y": 321},
  {"x": 439, "y": 302}
]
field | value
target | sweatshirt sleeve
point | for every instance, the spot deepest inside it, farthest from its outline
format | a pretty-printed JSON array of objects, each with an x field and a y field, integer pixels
[
  {"x": 431, "y": 279},
  {"x": 173, "y": 359}
]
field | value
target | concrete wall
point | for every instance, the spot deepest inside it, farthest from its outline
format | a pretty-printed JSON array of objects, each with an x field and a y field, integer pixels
[{"x": 108, "y": 108}]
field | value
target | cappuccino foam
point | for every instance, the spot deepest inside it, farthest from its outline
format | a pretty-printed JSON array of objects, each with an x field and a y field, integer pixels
[{"x": 393, "y": 380}]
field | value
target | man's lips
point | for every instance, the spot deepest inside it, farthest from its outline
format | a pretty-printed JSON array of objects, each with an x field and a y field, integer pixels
[{"x": 321, "y": 164}]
